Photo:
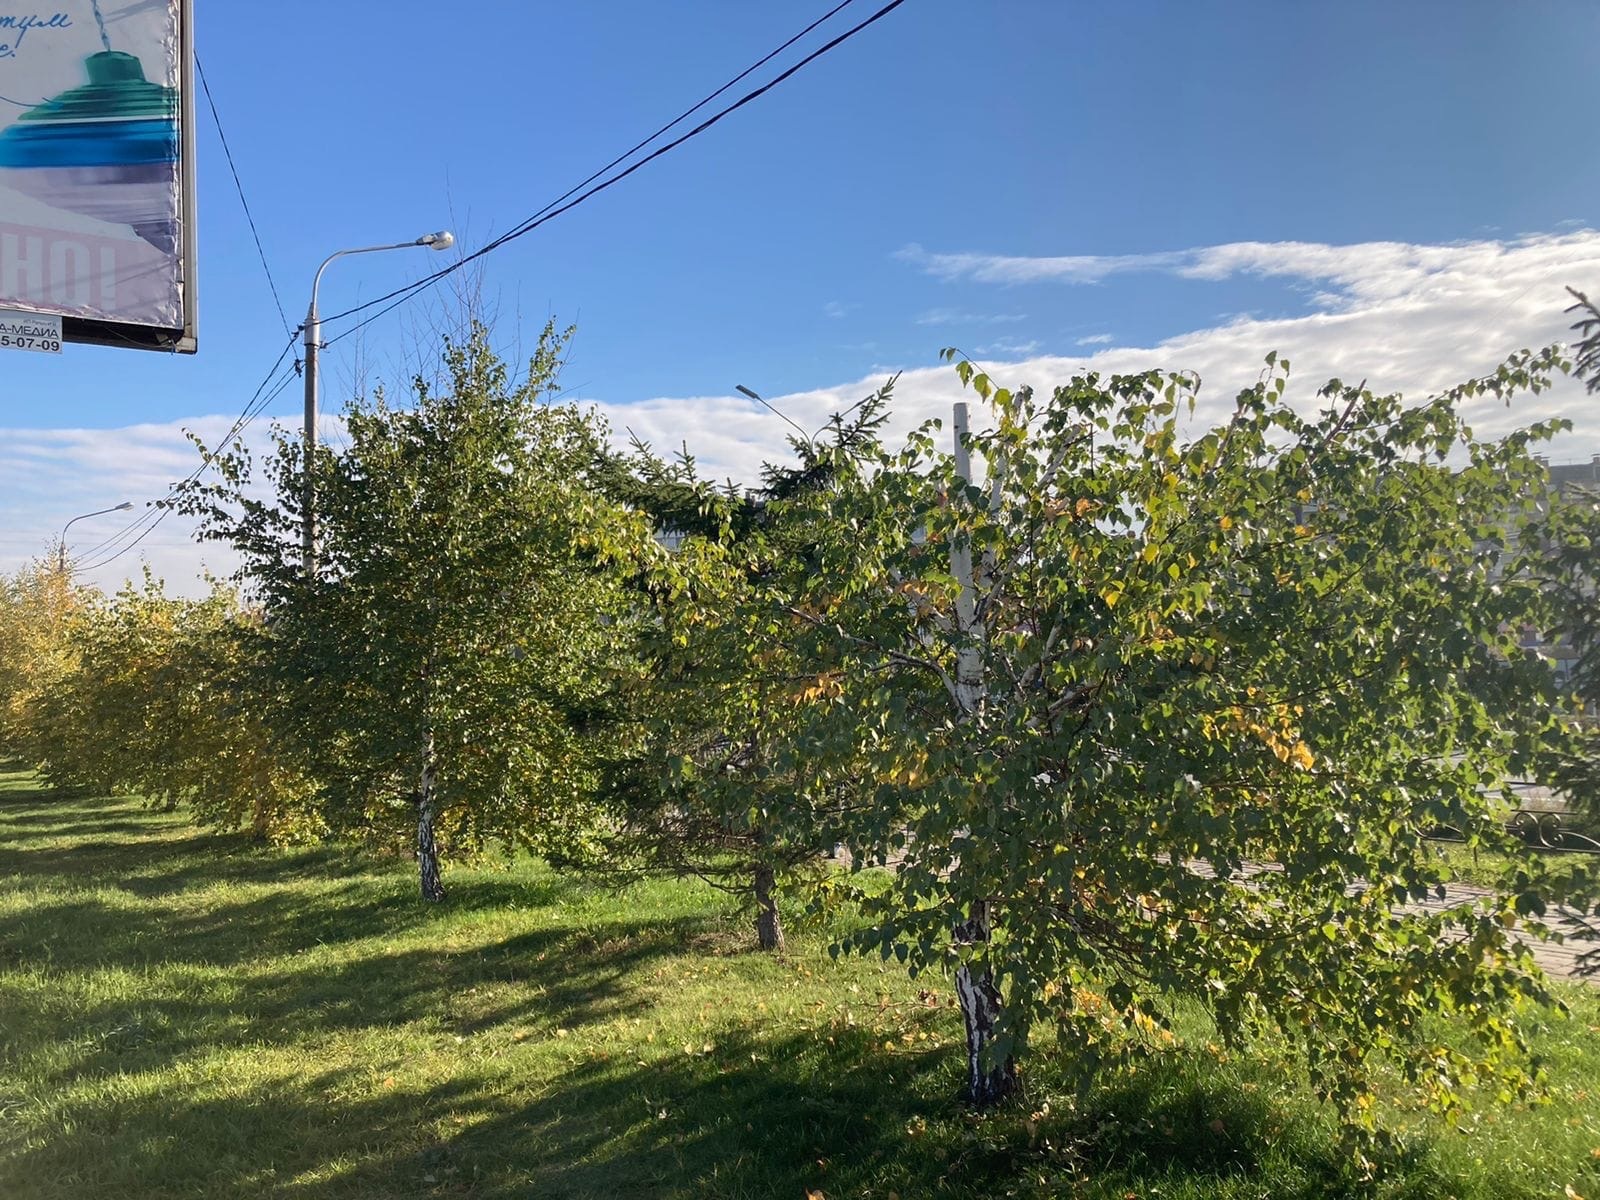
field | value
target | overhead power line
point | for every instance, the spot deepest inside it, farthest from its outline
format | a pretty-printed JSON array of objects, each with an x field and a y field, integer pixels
[
  {"x": 157, "y": 511},
  {"x": 567, "y": 202},
  {"x": 268, "y": 390},
  {"x": 239, "y": 187}
]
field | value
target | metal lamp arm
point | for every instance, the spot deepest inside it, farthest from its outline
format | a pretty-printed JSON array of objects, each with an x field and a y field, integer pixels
[
  {"x": 316, "y": 282},
  {"x": 85, "y": 516}
]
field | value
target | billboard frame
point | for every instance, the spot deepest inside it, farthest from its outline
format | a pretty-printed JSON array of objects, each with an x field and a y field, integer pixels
[{"x": 127, "y": 335}]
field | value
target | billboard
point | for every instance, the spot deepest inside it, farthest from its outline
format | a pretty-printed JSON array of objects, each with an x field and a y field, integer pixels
[{"x": 96, "y": 169}]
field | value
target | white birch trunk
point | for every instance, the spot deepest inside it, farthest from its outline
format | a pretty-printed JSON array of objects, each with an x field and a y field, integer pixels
[
  {"x": 988, "y": 1081},
  {"x": 427, "y": 805}
]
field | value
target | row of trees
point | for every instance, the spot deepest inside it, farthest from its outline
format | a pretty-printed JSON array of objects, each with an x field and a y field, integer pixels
[{"x": 1047, "y": 671}]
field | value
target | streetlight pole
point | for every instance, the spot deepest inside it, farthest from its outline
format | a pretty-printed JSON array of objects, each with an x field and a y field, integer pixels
[
  {"x": 442, "y": 240},
  {"x": 61, "y": 547}
]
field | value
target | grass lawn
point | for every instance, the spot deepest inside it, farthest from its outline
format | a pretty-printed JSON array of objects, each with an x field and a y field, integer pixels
[{"x": 187, "y": 1015}]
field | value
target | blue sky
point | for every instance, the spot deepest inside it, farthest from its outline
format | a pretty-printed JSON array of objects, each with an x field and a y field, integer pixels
[{"x": 804, "y": 244}]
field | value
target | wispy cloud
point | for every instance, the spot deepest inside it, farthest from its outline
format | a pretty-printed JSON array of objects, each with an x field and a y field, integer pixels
[
  {"x": 1001, "y": 268},
  {"x": 955, "y": 316},
  {"x": 1096, "y": 339},
  {"x": 1008, "y": 346},
  {"x": 838, "y": 308},
  {"x": 1350, "y": 277}
]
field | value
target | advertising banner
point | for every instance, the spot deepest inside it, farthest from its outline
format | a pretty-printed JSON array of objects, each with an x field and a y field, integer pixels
[{"x": 96, "y": 211}]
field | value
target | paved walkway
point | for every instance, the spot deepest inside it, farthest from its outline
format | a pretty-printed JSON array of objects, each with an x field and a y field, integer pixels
[{"x": 1559, "y": 960}]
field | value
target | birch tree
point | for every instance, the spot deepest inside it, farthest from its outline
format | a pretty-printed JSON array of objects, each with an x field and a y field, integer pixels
[
  {"x": 1143, "y": 714},
  {"x": 698, "y": 790},
  {"x": 450, "y": 663}
]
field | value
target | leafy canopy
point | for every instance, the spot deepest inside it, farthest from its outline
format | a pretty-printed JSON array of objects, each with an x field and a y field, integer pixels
[
  {"x": 458, "y": 628},
  {"x": 1189, "y": 727}
]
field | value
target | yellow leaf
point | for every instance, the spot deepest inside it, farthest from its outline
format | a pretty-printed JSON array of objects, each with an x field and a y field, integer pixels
[
  {"x": 1150, "y": 552},
  {"x": 1571, "y": 1194},
  {"x": 813, "y": 1194},
  {"x": 1226, "y": 523},
  {"x": 389, "y": 1082}
]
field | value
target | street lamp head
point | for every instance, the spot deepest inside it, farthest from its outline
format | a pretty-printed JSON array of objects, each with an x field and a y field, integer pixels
[
  {"x": 742, "y": 390},
  {"x": 442, "y": 240},
  {"x": 124, "y": 506}
]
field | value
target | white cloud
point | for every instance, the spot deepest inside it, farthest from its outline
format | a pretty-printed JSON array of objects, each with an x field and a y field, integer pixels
[
  {"x": 1097, "y": 339},
  {"x": 1411, "y": 318},
  {"x": 838, "y": 308}
]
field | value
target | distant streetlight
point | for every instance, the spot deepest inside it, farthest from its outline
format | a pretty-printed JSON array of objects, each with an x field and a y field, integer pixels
[
  {"x": 441, "y": 240},
  {"x": 61, "y": 548}
]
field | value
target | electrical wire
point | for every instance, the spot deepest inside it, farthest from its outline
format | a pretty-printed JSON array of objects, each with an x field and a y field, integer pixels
[
  {"x": 435, "y": 276},
  {"x": 565, "y": 203},
  {"x": 159, "y": 510},
  {"x": 151, "y": 518},
  {"x": 239, "y": 187},
  {"x": 557, "y": 207},
  {"x": 156, "y": 511}
]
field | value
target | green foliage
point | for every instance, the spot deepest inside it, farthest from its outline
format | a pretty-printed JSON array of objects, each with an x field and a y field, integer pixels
[
  {"x": 1283, "y": 641},
  {"x": 453, "y": 655},
  {"x": 696, "y": 791},
  {"x": 164, "y": 702},
  {"x": 38, "y": 606},
  {"x": 1571, "y": 574},
  {"x": 1568, "y": 566},
  {"x": 1586, "y": 350}
]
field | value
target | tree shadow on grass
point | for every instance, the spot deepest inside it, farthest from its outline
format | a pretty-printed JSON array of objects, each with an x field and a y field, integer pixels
[
  {"x": 35, "y": 828},
  {"x": 153, "y": 854},
  {"x": 756, "y": 1116},
  {"x": 151, "y": 865},
  {"x": 540, "y": 977}
]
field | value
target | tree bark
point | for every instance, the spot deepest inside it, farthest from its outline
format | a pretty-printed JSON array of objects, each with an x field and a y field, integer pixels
[
  {"x": 988, "y": 1082},
  {"x": 769, "y": 926},
  {"x": 427, "y": 849}
]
